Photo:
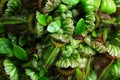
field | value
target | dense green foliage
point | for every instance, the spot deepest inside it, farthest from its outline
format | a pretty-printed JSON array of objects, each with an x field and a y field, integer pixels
[{"x": 59, "y": 40}]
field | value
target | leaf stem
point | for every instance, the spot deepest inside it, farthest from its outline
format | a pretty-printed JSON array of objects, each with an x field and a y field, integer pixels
[{"x": 88, "y": 67}]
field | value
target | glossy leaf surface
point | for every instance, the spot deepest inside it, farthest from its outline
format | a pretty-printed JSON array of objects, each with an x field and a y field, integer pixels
[
  {"x": 19, "y": 52},
  {"x": 80, "y": 27},
  {"x": 108, "y": 6},
  {"x": 54, "y": 26},
  {"x": 5, "y": 46},
  {"x": 41, "y": 18}
]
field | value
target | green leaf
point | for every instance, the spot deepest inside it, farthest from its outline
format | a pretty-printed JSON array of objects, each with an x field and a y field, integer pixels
[
  {"x": 12, "y": 20},
  {"x": 33, "y": 75},
  {"x": 115, "y": 69},
  {"x": 88, "y": 67},
  {"x": 68, "y": 26},
  {"x": 49, "y": 19},
  {"x": 67, "y": 51},
  {"x": 10, "y": 69},
  {"x": 113, "y": 50},
  {"x": 80, "y": 27},
  {"x": 42, "y": 72},
  {"x": 5, "y": 46},
  {"x": 88, "y": 5},
  {"x": 75, "y": 43},
  {"x": 70, "y": 2},
  {"x": 97, "y": 4},
  {"x": 54, "y": 26},
  {"x": 105, "y": 34},
  {"x": 19, "y": 52},
  {"x": 94, "y": 34},
  {"x": 109, "y": 21},
  {"x": 62, "y": 8},
  {"x": 65, "y": 61},
  {"x": 44, "y": 78},
  {"x": 79, "y": 74},
  {"x": 86, "y": 50},
  {"x": 108, "y": 6},
  {"x": 41, "y": 18},
  {"x": 52, "y": 56}
]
